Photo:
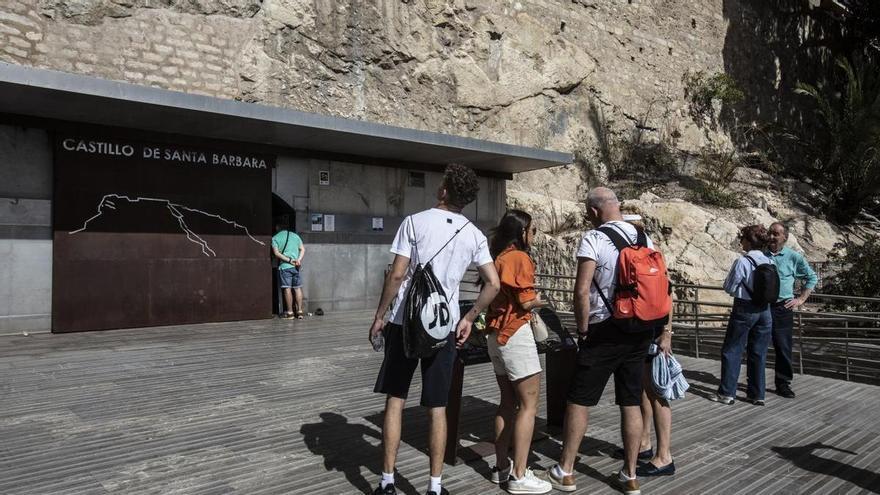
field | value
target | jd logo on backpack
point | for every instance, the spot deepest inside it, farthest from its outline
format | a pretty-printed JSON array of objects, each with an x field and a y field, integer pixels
[{"x": 426, "y": 318}]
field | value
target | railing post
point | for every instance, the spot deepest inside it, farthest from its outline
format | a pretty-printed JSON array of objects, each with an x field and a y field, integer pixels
[
  {"x": 697, "y": 321},
  {"x": 801, "y": 341},
  {"x": 846, "y": 348}
]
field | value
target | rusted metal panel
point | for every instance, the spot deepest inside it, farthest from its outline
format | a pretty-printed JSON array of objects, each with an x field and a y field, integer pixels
[{"x": 153, "y": 233}]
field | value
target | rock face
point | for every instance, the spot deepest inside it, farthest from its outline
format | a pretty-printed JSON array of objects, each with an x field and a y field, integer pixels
[
  {"x": 521, "y": 72},
  {"x": 699, "y": 242},
  {"x": 528, "y": 72}
]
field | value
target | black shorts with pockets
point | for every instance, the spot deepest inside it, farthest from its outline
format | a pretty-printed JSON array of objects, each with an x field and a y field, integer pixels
[
  {"x": 605, "y": 351},
  {"x": 397, "y": 370}
]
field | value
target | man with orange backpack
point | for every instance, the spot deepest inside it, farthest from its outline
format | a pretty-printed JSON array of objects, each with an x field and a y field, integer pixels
[{"x": 621, "y": 294}]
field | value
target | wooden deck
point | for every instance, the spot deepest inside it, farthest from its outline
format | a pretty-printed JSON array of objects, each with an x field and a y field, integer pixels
[{"x": 287, "y": 407}]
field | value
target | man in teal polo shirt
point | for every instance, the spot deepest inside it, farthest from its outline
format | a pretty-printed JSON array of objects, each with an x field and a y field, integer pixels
[
  {"x": 791, "y": 266},
  {"x": 288, "y": 248}
]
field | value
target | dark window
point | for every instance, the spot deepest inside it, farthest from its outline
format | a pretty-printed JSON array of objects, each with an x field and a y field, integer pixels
[{"x": 416, "y": 179}]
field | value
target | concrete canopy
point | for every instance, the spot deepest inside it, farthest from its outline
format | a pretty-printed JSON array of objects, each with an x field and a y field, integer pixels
[{"x": 76, "y": 98}]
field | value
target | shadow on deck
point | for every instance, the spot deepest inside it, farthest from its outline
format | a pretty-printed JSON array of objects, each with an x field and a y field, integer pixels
[{"x": 287, "y": 407}]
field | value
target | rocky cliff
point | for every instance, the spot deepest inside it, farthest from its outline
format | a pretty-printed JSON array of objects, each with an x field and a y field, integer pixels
[
  {"x": 528, "y": 72},
  {"x": 699, "y": 241},
  {"x": 521, "y": 72}
]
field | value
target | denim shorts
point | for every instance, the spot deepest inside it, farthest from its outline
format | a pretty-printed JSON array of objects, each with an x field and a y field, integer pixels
[{"x": 290, "y": 278}]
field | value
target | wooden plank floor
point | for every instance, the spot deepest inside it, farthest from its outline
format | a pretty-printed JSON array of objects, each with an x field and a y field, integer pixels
[{"x": 276, "y": 406}]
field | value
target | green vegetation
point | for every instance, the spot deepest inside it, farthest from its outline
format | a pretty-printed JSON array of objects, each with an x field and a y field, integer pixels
[
  {"x": 717, "y": 168},
  {"x": 636, "y": 154},
  {"x": 844, "y": 161},
  {"x": 860, "y": 274},
  {"x": 706, "y": 95}
]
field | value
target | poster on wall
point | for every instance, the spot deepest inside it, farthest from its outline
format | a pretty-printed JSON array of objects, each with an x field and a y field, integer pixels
[
  {"x": 158, "y": 233},
  {"x": 317, "y": 222}
]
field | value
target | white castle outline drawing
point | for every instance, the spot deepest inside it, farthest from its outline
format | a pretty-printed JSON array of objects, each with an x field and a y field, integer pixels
[{"x": 175, "y": 210}]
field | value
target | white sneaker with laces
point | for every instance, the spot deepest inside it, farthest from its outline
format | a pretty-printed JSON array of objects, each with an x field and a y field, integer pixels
[{"x": 528, "y": 484}]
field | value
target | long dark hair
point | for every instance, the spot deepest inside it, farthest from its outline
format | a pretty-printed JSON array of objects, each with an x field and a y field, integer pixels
[{"x": 511, "y": 229}]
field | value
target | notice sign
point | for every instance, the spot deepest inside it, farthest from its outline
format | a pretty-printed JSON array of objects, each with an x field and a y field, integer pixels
[
  {"x": 329, "y": 223},
  {"x": 317, "y": 222},
  {"x": 378, "y": 223},
  {"x": 158, "y": 233}
]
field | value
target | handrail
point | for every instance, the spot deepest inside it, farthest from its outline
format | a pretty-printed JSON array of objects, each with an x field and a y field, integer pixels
[
  {"x": 717, "y": 288},
  {"x": 842, "y": 344}
]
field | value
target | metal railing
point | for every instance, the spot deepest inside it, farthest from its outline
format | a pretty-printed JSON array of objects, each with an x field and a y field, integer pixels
[{"x": 839, "y": 344}]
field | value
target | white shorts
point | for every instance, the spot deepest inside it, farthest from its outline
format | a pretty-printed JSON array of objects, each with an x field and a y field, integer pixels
[{"x": 518, "y": 358}]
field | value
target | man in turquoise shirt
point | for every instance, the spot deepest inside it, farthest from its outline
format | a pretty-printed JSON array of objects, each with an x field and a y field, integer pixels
[
  {"x": 288, "y": 248},
  {"x": 791, "y": 266}
]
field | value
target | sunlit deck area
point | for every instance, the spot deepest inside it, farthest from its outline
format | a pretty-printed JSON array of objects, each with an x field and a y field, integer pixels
[{"x": 287, "y": 407}]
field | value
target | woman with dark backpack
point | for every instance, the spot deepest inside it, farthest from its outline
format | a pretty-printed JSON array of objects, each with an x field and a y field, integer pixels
[
  {"x": 514, "y": 353},
  {"x": 750, "y": 282}
]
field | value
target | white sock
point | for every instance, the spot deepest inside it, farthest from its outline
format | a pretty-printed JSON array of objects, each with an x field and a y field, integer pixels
[
  {"x": 387, "y": 479},
  {"x": 558, "y": 472},
  {"x": 434, "y": 486},
  {"x": 623, "y": 476}
]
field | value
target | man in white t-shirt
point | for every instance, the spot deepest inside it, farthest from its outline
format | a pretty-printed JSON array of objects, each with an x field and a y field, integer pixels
[
  {"x": 445, "y": 237},
  {"x": 604, "y": 349}
]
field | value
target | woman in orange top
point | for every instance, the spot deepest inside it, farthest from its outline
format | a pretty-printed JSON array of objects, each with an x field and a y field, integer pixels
[{"x": 513, "y": 352}]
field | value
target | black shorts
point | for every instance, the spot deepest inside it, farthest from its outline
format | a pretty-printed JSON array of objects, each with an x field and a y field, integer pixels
[
  {"x": 654, "y": 337},
  {"x": 397, "y": 370},
  {"x": 606, "y": 351}
]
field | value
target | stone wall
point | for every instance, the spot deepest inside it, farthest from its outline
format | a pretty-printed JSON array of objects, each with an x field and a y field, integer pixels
[
  {"x": 519, "y": 72},
  {"x": 527, "y": 72},
  {"x": 163, "y": 49}
]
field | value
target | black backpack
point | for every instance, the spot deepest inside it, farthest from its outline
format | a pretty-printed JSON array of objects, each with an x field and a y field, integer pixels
[
  {"x": 427, "y": 321},
  {"x": 765, "y": 286}
]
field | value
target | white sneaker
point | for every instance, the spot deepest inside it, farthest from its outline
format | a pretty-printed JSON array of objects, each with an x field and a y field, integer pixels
[
  {"x": 501, "y": 475},
  {"x": 528, "y": 484}
]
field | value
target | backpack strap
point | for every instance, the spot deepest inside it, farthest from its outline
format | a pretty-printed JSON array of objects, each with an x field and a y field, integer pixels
[
  {"x": 620, "y": 242},
  {"x": 641, "y": 238},
  {"x": 447, "y": 242},
  {"x": 415, "y": 245},
  {"x": 616, "y": 237},
  {"x": 604, "y": 299},
  {"x": 754, "y": 267},
  {"x": 286, "y": 240}
]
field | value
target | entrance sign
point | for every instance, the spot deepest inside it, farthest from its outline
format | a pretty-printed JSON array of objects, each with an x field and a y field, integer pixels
[{"x": 153, "y": 233}]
